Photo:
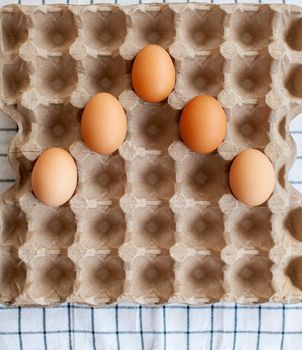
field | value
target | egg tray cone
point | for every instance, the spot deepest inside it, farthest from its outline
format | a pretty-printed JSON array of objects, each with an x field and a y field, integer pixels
[{"x": 153, "y": 223}]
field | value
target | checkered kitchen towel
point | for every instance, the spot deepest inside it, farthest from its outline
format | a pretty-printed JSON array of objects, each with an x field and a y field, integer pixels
[{"x": 132, "y": 327}]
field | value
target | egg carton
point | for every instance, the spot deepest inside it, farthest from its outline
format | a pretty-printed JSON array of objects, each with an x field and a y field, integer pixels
[{"x": 154, "y": 222}]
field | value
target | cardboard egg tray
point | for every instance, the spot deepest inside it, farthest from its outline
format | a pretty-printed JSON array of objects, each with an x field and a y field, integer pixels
[{"x": 153, "y": 223}]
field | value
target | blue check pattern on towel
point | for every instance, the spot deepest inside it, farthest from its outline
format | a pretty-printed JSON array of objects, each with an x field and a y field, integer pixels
[
  {"x": 210, "y": 327},
  {"x": 134, "y": 327}
]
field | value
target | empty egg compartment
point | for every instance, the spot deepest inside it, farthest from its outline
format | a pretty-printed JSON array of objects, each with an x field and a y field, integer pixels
[
  {"x": 13, "y": 224},
  {"x": 103, "y": 29},
  {"x": 249, "y": 228},
  {"x": 281, "y": 149},
  {"x": 202, "y": 75},
  {"x": 280, "y": 146},
  {"x": 252, "y": 29},
  {"x": 53, "y": 125},
  {"x": 290, "y": 223},
  {"x": 200, "y": 228},
  {"x": 203, "y": 177},
  {"x": 286, "y": 222},
  {"x": 48, "y": 228},
  {"x": 249, "y": 125},
  {"x": 24, "y": 118},
  {"x": 292, "y": 24},
  {"x": 152, "y": 126},
  {"x": 202, "y": 29},
  {"x": 54, "y": 78},
  {"x": 149, "y": 24},
  {"x": 100, "y": 177},
  {"x": 13, "y": 275},
  {"x": 15, "y": 80},
  {"x": 292, "y": 77},
  {"x": 293, "y": 273},
  {"x": 22, "y": 163},
  {"x": 151, "y": 177},
  {"x": 50, "y": 279},
  {"x": 53, "y": 30},
  {"x": 249, "y": 279},
  {"x": 282, "y": 169},
  {"x": 199, "y": 279},
  {"x": 284, "y": 119},
  {"x": 150, "y": 279},
  {"x": 100, "y": 279},
  {"x": 251, "y": 75},
  {"x": 100, "y": 228},
  {"x": 151, "y": 227},
  {"x": 104, "y": 74},
  {"x": 14, "y": 29}
]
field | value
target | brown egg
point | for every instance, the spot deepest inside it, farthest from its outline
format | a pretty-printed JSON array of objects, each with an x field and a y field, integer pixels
[
  {"x": 252, "y": 177},
  {"x": 153, "y": 74},
  {"x": 103, "y": 124},
  {"x": 203, "y": 124},
  {"x": 54, "y": 177}
]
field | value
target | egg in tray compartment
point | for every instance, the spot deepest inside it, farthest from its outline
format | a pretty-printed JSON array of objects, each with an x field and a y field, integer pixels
[{"x": 152, "y": 218}]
